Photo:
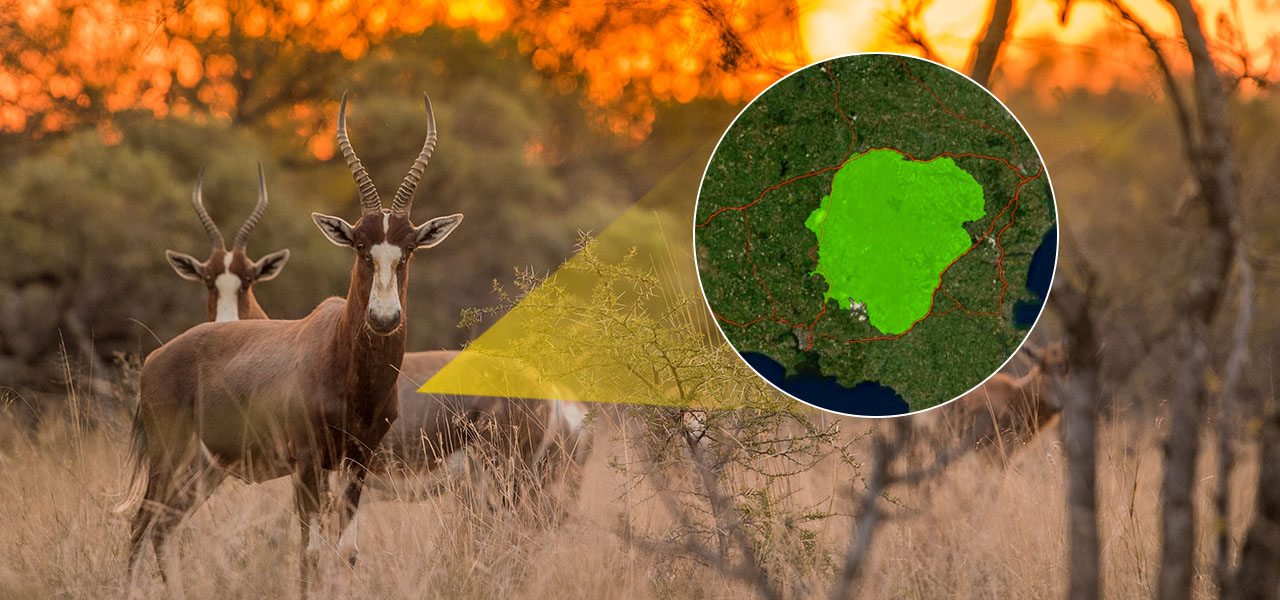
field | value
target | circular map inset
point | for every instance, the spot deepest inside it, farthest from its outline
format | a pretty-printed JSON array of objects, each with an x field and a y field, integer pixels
[{"x": 875, "y": 234}]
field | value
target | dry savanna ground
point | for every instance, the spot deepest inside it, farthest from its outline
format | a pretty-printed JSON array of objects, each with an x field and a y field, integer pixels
[{"x": 974, "y": 532}]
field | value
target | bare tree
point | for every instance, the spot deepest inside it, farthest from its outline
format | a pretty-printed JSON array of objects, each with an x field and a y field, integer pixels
[
  {"x": 1228, "y": 422},
  {"x": 1079, "y": 395},
  {"x": 1217, "y": 183},
  {"x": 868, "y": 516},
  {"x": 1207, "y": 146},
  {"x": 905, "y": 25},
  {"x": 1258, "y": 576},
  {"x": 987, "y": 49}
]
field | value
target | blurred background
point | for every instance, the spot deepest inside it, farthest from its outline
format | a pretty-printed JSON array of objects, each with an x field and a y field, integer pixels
[{"x": 554, "y": 116}]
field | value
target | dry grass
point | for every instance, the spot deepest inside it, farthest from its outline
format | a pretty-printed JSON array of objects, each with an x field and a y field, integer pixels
[{"x": 975, "y": 532}]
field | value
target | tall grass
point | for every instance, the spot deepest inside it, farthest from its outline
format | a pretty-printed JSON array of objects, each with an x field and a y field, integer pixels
[{"x": 974, "y": 532}]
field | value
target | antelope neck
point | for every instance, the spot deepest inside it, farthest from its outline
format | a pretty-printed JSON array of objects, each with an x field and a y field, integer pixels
[{"x": 372, "y": 360}]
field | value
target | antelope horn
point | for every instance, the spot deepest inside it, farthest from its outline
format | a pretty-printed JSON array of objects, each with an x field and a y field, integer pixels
[
  {"x": 370, "y": 204},
  {"x": 404, "y": 196},
  {"x": 197, "y": 199},
  {"x": 242, "y": 236}
]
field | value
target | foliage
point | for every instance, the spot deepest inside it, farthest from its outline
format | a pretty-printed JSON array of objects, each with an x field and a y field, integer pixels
[
  {"x": 515, "y": 156},
  {"x": 254, "y": 61},
  {"x": 718, "y": 442}
]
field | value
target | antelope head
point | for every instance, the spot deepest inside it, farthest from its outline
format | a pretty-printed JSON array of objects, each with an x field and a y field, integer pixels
[
  {"x": 229, "y": 275},
  {"x": 1049, "y": 361},
  {"x": 384, "y": 240}
]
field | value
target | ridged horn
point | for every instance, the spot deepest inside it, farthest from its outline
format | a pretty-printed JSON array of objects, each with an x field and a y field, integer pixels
[
  {"x": 197, "y": 199},
  {"x": 370, "y": 204},
  {"x": 242, "y": 236},
  {"x": 404, "y": 196}
]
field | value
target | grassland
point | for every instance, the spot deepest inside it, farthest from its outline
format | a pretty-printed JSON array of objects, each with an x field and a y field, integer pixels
[{"x": 978, "y": 531}]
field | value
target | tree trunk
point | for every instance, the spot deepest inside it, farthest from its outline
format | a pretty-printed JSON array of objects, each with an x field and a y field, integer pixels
[
  {"x": 1259, "y": 575},
  {"x": 1079, "y": 394},
  {"x": 1080, "y": 433},
  {"x": 1228, "y": 423},
  {"x": 1181, "y": 447},
  {"x": 1216, "y": 176},
  {"x": 867, "y": 518},
  {"x": 987, "y": 50}
]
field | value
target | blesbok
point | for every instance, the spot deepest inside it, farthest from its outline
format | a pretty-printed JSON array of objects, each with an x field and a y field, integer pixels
[
  {"x": 229, "y": 275},
  {"x": 260, "y": 399},
  {"x": 545, "y": 438},
  {"x": 1006, "y": 413},
  {"x": 519, "y": 440}
]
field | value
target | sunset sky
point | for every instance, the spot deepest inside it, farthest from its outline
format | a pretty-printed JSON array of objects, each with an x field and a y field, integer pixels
[
  {"x": 76, "y": 61},
  {"x": 835, "y": 27}
]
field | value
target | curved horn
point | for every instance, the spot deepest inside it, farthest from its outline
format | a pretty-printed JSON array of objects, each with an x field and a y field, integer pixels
[
  {"x": 197, "y": 199},
  {"x": 370, "y": 204},
  {"x": 242, "y": 236},
  {"x": 404, "y": 196}
]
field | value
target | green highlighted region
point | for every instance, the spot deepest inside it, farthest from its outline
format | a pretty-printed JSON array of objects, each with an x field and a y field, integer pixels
[{"x": 887, "y": 231}]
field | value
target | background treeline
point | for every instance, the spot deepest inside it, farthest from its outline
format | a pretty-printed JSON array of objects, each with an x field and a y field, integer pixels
[{"x": 87, "y": 213}]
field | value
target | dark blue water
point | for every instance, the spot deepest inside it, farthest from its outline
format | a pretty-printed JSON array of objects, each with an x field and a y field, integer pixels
[
  {"x": 868, "y": 398},
  {"x": 1038, "y": 279}
]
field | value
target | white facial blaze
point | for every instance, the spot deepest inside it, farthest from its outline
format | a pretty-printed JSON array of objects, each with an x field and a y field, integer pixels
[
  {"x": 575, "y": 414},
  {"x": 228, "y": 289},
  {"x": 384, "y": 297},
  {"x": 315, "y": 544},
  {"x": 347, "y": 541}
]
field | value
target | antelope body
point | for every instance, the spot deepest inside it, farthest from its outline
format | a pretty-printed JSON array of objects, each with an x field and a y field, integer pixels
[
  {"x": 541, "y": 438},
  {"x": 259, "y": 399},
  {"x": 1006, "y": 413}
]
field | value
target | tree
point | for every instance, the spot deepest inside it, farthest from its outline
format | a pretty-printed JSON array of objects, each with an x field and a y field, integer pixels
[
  {"x": 1208, "y": 151},
  {"x": 255, "y": 61}
]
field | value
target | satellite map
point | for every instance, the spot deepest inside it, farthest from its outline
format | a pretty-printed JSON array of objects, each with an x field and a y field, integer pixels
[{"x": 875, "y": 234}]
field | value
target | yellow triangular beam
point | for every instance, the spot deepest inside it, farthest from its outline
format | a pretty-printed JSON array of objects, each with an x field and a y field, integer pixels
[{"x": 623, "y": 320}]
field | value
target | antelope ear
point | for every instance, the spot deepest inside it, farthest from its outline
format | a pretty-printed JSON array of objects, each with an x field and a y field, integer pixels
[
  {"x": 338, "y": 231},
  {"x": 186, "y": 265},
  {"x": 434, "y": 231},
  {"x": 270, "y": 265}
]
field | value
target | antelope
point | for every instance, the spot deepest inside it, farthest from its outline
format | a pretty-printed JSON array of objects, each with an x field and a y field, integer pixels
[
  {"x": 261, "y": 399},
  {"x": 1006, "y": 413},
  {"x": 540, "y": 436},
  {"x": 229, "y": 276},
  {"x": 524, "y": 438}
]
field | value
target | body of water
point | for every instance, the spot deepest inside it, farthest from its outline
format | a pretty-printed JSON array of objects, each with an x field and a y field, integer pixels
[
  {"x": 1039, "y": 276},
  {"x": 867, "y": 398}
]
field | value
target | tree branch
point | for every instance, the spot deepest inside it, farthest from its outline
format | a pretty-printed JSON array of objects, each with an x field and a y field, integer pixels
[{"x": 987, "y": 50}]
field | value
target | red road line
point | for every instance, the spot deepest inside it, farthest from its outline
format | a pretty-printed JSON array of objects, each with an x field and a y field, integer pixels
[
  {"x": 1012, "y": 204},
  {"x": 956, "y": 114}
]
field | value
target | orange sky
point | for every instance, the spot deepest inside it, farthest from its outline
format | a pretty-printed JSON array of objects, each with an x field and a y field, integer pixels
[
  {"x": 631, "y": 59},
  {"x": 836, "y": 27}
]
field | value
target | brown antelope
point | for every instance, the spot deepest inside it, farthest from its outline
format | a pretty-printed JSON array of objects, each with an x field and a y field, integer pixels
[
  {"x": 522, "y": 440},
  {"x": 229, "y": 275},
  {"x": 260, "y": 399},
  {"x": 544, "y": 438},
  {"x": 1006, "y": 413}
]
